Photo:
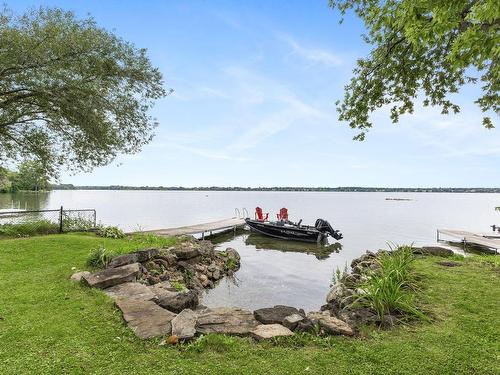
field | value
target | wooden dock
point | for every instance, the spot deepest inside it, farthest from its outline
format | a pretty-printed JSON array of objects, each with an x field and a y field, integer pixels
[
  {"x": 213, "y": 226},
  {"x": 487, "y": 240}
]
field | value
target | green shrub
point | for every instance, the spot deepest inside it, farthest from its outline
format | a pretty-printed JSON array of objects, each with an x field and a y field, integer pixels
[
  {"x": 390, "y": 289},
  {"x": 109, "y": 232},
  {"x": 30, "y": 228},
  {"x": 180, "y": 287},
  {"x": 77, "y": 224},
  {"x": 100, "y": 257}
]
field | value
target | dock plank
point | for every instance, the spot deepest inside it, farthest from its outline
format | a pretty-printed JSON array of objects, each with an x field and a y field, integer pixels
[
  {"x": 199, "y": 228},
  {"x": 490, "y": 240}
]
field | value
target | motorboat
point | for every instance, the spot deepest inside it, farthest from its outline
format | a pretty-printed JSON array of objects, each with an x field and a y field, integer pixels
[{"x": 285, "y": 229}]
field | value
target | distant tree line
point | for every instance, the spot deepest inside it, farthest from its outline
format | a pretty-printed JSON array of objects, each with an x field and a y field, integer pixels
[
  {"x": 283, "y": 188},
  {"x": 30, "y": 176}
]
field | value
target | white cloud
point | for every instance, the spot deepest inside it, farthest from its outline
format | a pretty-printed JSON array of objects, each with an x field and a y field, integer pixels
[{"x": 314, "y": 55}]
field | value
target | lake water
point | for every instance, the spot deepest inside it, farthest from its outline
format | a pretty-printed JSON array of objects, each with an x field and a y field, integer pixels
[{"x": 274, "y": 272}]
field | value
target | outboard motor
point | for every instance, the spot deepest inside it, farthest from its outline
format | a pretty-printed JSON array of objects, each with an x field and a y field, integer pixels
[{"x": 324, "y": 226}]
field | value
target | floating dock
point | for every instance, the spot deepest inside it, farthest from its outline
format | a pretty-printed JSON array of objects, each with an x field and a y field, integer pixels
[
  {"x": 219, "y": 225},
  {"x": 490, "y": 240}
]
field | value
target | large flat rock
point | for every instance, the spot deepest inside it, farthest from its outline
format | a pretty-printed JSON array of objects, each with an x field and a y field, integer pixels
[
  {"x": 178, "y": 301},
  {"x": 184, "y": 325},
  {"x": 135, "y": 257},
  {"x": 186, "y": 251},
  {"x": 145, "y": 318},
  {"x": 113, "y": 276},
  {"x": 130, "y": 290},
  {"x": 268, "y": 331},
  {"x": 274, "y": 315},
  {"x": 77, "y": 276},
  {"x": 331, "y": 324},
  {"x": 232, "y": 321}
]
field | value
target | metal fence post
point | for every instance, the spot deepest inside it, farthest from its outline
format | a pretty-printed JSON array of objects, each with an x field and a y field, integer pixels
[
  {"x": 61, "y": 220},
  {"x": 95, "y": 219}
]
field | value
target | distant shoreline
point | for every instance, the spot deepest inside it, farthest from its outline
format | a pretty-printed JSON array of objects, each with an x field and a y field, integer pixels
[{"x": 283, "y": 189}]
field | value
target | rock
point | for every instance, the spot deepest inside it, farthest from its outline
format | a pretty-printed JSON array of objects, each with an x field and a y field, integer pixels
[
  {"x": 113, "y": 276},
  {"x": 186, "y": 267},
  {"x": 267, "y": 331},
  {"x": 305, "y": 325},
  {"x": 276, "y": 314},
  {"x": 359, "y": 316},
  {"x": 291, "y": 321},
  {"x": 161, "y": 287},
  {"x": 162, "y": 263},
  {"x": 216, "y": 275},
  {"x": 130, "y": 290},
  {"x": 152, "y": 280},
  {"x": 79, "y": 275},
  {"x": 136, "y": 257},
  {"x": 232, "y": 253},
  {"x": 449, "y": 264},
  {"x": 439, "y": 251},
  {"x": 167, "y": 256},
  {"x": 204, "y": 280},
  {"x": 336, "y": 293},
  {"x": 227, "y": 320},
  {"x": 178, "y": 301},
  {"x": 389, "y": 320},
  {"x": 186, "y": 252},
  {"x": 206, "y": 247},
  {"x": 212, "y": 267},
  {"x": 330, "y": 324},
  {"x": 184, "y": 324},
  {"x": 200, "y": 268},
  {"x": 145, "y": 318}
]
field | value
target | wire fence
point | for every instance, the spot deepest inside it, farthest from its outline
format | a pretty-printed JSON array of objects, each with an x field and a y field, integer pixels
[{"x": 30, "y": 222}]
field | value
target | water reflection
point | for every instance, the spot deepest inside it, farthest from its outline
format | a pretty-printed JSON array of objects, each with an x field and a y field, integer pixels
[
  {"x": 24, "y": 200},
  {"x": 320, "y": 251},
  {"x": 274, "y": 272}
]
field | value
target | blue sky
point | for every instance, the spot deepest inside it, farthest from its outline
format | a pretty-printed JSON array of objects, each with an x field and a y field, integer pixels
[{"x": 255, "y": 85}]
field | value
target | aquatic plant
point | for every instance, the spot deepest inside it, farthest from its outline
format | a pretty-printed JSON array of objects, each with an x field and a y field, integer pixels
[
  {"x": 339, "y": 274},
  {"x": 231, "y": 264},
  {"x": 390, "y": 289}
]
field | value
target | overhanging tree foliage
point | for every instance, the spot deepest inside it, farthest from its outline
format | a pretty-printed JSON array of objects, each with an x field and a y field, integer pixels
[
  {"x": 71, "y": 93},
  {"x": 31, "y": 176},
  {"x": 424, "y": 47}
]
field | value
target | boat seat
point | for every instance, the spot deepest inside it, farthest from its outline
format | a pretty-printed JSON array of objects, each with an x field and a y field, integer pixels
[
  {"x": 259, "y": 215},
  {"x": 283, "y": 215}
]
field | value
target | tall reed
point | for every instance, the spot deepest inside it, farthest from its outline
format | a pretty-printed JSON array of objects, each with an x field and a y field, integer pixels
[{"x": 390, "y": 289}]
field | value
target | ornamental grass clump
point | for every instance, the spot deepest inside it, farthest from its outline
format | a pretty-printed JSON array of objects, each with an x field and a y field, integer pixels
[
  {"x": 99, "y": 257},
  {"x": 390, "y": 288}
]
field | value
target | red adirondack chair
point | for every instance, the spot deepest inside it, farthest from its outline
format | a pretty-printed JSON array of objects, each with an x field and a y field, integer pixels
[
  {"x": 259, "y": 215},
  {"x": 283, "y": 215}
]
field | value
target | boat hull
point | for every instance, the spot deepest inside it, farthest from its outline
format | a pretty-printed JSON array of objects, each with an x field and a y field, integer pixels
[{"x": 304, "y": 234}]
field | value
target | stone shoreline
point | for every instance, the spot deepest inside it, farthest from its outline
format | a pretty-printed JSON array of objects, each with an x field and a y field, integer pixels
[{"x": 158, "y": 290}]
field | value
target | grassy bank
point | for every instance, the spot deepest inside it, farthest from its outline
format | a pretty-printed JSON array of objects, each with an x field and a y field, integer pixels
[{"x": 49, "y": 325}]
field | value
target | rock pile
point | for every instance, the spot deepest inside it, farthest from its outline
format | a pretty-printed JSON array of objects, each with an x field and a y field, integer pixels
[
  {"x": 146, "y": 288},
  {"x": 340, "y": 298},
  {"x": 158, "y": 292}
]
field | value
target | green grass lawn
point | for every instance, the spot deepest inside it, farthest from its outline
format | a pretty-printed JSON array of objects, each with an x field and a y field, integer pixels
[{"x": 49, "y": 325}]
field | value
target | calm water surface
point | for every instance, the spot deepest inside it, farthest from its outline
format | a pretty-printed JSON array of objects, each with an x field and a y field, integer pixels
[{"x": 274, "y": 272}]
